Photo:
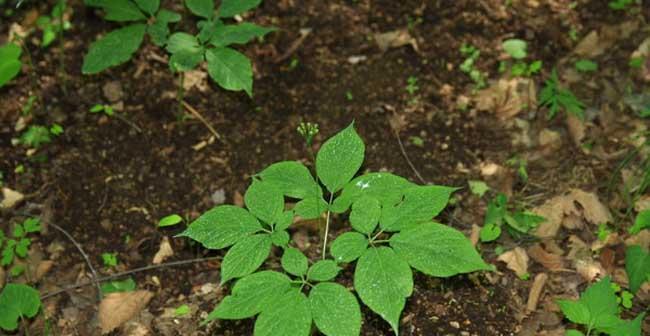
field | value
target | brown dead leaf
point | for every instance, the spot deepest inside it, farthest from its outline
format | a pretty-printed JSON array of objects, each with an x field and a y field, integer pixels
[
  {"x": 594, "y": 211},
  {"x": 10, "y": 198},
  {"x": 475, "y": 235},
  {"x": 588, "y": 268},
  {"x": 196, "y": 78},
  {"x": 643, "y": 203},
  {"x": 117, "y": 308},
  {"x": 552, "y": 262},
  {"x": 536, "y": 291},
  {"x": 569, "y": 210},
  {"x": 507, "y": 97},
  {"x": 42, "y": 269},
  {"x": 395, "y": 39},
  {"x": 516, "y": 260},
  {"x": 165, "y": 251},
  {"x": 577, "y": 128},
  {"x": 642, "y": 239}
]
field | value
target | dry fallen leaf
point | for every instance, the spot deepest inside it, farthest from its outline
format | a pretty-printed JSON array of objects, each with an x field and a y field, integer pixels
[
  {"x": 642, "y": 239},
  {"x": 395, "y": 39},
  {"x": 117, "y": 308},
  {"x": 552, "y": 262},
  {"x": 196, "y": 78},
  {"x": 516, "y": 260},
  {"x": 577, "y": 128},
  {"x": 643, "y": 203},
  {"x": 569, "y": 210},
  {"x": 507, "y": 97},
  {"x": 475, "y": 235},
  {"x": 10, "y": 198},
  {"x": 536, "y": 291},
  {"x": 165, "y": 251},
  {"x": 588, "y": 268}
]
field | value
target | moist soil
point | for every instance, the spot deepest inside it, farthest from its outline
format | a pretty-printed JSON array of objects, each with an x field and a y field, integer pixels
[{"x": 107, "y": 181}]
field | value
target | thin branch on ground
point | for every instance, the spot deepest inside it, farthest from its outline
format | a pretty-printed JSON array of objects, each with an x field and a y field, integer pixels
[
  {"x": 125, "y": 273},
  {"x": 198, "y": 115},
  {"x": 293, "y": 47},
  {"x": 85, "y": 256},
  {"x": 406, "y": 157}
]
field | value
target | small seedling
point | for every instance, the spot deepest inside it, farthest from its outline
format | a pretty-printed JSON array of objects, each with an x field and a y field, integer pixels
[
  {"x": 56, "y": 129},
  {"x": 585, "y": 65},
  {"x": 348, "y": 95},
  {"x": 416, "y": 141},
  {"x": 471, "y": 55},
  {"x": 18, "y": 245},
  {"x": 623, "y": 298},
  {"x": 182, "y": 310},
  {"x": 521, "y": 165},
  {"x": 170, "y": 220},
  {"x": 412, "y": 85},
  {"x": 554, "y": 97},
  {"x": 603, "y": 232},
  {"x": 100, "y": 108},
  {"x": 109, "y": 259},
  {"x": 517, "y": 222},
  {"x": 478, "y": 188},
  {"x": 9, "y": 62},
  {"x": 19, "y": 169},
  {"x": 621, "y": 4},
  {"x": 17, "y": 302},
  {"x": 127, "y": 285},
  {"x": 52, "y": 25},
  {"x": 517, "y": 50},
  {"x": 35, "y": 136},
  {"x": 597, "y": 310},
  {"x": 29, "y": 105}
]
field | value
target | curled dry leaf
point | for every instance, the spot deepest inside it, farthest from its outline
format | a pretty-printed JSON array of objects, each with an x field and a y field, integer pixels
[
  {"x": 516, "y": 260},
  {"x": 10, "y": 198},
  {"x": 536, "y": 291},
  {"x": 507, "y": 97},
  {"x": 552, "y": 262},
  {"x": 588, "y": 268},
  {"x": 117, "y": 308},
  {"x": 577, "y": 128},
  {"x": 165, "y": 251}
]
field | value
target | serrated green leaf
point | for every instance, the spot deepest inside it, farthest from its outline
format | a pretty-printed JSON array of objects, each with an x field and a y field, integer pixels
[
  {"x": 19, "y": 231},
  {"x": 294, "y": 262},
  {"x": 292, "y": 178},
  {"x": 348, "y": 247},
  {"x": 225, "y": 35},
  {"x": 625, "y": 327},
  {"x": 170, "y": 220},
  {"x": 280, "y": 238},
  {"x": 289, "y": 314},
  {"x": 127, "y": 285},
  {"x": 323, "y": 270},
  {"x": 637, "y": 266},
  {"x": 167, "y": 16},
  {"x": 17, "y": 301},
  {"x": 641, "y": 222},
  {"x": 437, "y": 250},
  {"x": 310, "y": 207},
  {"x": 284, "y": 221},
  {"x": 113, "y": 49},
  {"x": 230, "y": 69},
  {"x": 420, "y": 204},
  {"x": 339, "y": 158},
  {"x": 596, "y": 307},
  {"x": 148, "y": 6},
  {"x": 222, "y": 226},
  {"x": 264, "y": 201},
  {"x": 575, "y": 311},
  {"x": 385, "y": 187},
  {"x": 22, "y": 247},
  {"x": 365, "y": 214},
  {"x": 32, "y": 225},
  {"x": 202, "y": 8},
  {"x": 8, "y": 253},
  {"x": 516, "y": 48},
  {"x": 335, "y": 310},
  {"x": 230, "y": 8},
  {"x": 250, "y": 295},
  {"x": 245, "y": 257},
  {"x": 122, "y": 11},
  {"x": 383, "y": 282}
]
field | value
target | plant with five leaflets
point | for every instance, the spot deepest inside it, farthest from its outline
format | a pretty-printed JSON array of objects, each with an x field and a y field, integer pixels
[
  {"x": 17, "y": 301},
  {"x": 18, "y": 245},
  {"x": 229, "y": 68},
  {"x": 9, "y": 62},
  {"x": 555, "y": 97},
  {"x": 517, "y": 223},
  {"x": 118, "y": 46},
  {"x": 597, "y": 309},
  {"x": 392, "y": 233}
]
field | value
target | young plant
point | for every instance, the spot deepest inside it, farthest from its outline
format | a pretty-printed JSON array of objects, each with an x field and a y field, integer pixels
[
  {"x": 36, "y": 135},
  {"x": 229, "y": 68},
  {"x": 621, "y": 4},
  {"x": 52, "y": 25},
  {"x": 554, "y": 97},
  {"x": 18, "y": 245},
  {"x": 392, "y": 232},
  {"x": 118, "y": 46},
  {"x": 517, "y": 223},
  {"x": 9, "y": 62},
  {"x": 517, "y": 50},
  {"x": 597, "y": 310},
  {"x": 101, "y": 108},
  {"x": 472, "y": 54},
  {"x": 17, "y": 302},
  {"x": 109, "y": 259},
  {"x": 585, "y": 65}
]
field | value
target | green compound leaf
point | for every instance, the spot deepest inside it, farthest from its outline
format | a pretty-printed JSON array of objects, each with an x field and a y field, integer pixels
[
  {"x": 148, "y": 6},
  {"x": 284, "y": 221},
  {"x": 184, "y": 61},
  {"x": 183, "y": 42},
  {"x": 596, "y": 307},
  {"x": 383, "y": 282},
  {"x": 264, "y": 201},
  {"x": 225, "y": 35},
  {"x": 245, "y": 257},
  {"x": 289, "y": 314},
  {"x": 230, "y": 8},
  {"x": 365, "y": 214},
  {"x": 22, "y": 248},
  {"x": 113, "y": 49},
  {"x": 437, "y": 250},
  {"x": 323, "y": 270},
  {"x": 516, "y": 48},
  {"x": 222, "y": 226},
  {"x": 250, "y": 295},
  {"x": 642, "y": 222},
  {"x": 115, "y": 286},
  {"x": 202, "y": 8},
  {"x": 32, "y": 225},
  {"x": 292, "y": 178},
  {"x": 231, "y": 69},
  {"x": 17, "y": 301},
  {"x": 339, "y": 158},
  {"x": 335, "y": 310},
  {"x": 637, "y": 266},
  {"x": 122, "y": 11},
  {"x": 294, "y": 262},
  {"x": 420, "y": 204},
  {"x": 310, "y": 207},
  {"x": 385, "y": 187},
  {"x": 348, "y": 247}
]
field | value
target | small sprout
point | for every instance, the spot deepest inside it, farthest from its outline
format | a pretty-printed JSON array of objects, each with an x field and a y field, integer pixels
[
  {"x": 19, "y": 169},
  {"x": 170, "y": 220},
  {"x": 308, "y": 131},
  {"x": 127, "y": 285},
  {"x": 478, "y": 188},
  {"x": 182, "y": 310},
  {"x": 416, "y": 141},
  {"x": 35, "y": 136},
  {"x": 585, "y": 65},
  {"x": 554, "y": 97},
  {"x": 603, "y": 232},
  {"x": 412, "y": 85},
  {"x": 56, "y": 129},
  {"x": 109, "y": 259},
  {"x": 294, "y": 63},
  {"x": 620, "y": 4},
  {"x": 29, "y": 105},
  {"x": 348, "y": 95},
  {"x": 516, "y": 48},
  {"x": 106, "y": 109}
]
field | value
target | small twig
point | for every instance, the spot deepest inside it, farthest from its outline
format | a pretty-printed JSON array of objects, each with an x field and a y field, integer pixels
[
  {"x": 198, "y": 115},
  {"x": 293, "y": 47},
  {"x": 129, "y": 272},
  {"x": 406, "y": 157},
  {"x": 128, "y": 122},
  {"x": 85, "y": 256}
]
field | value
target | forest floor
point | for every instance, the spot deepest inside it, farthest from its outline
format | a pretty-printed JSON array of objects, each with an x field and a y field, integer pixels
[{"x": 392, "y": 67}]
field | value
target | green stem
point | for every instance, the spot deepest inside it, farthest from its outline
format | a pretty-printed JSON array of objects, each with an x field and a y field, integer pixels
[
  {"x": 380, "y": 241},
  {"x": 377, "y": 235},
  {"x": 327, "y": 225},
  {"x": 180, "y": 94}
]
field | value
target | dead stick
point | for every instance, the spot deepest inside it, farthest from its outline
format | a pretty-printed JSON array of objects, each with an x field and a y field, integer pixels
[
  {"x": 129, "y": 272},
  {"x": 406, "y": 157},
  {"x": 85, "y": 256},
  {"x": 200, "y": 117}
]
